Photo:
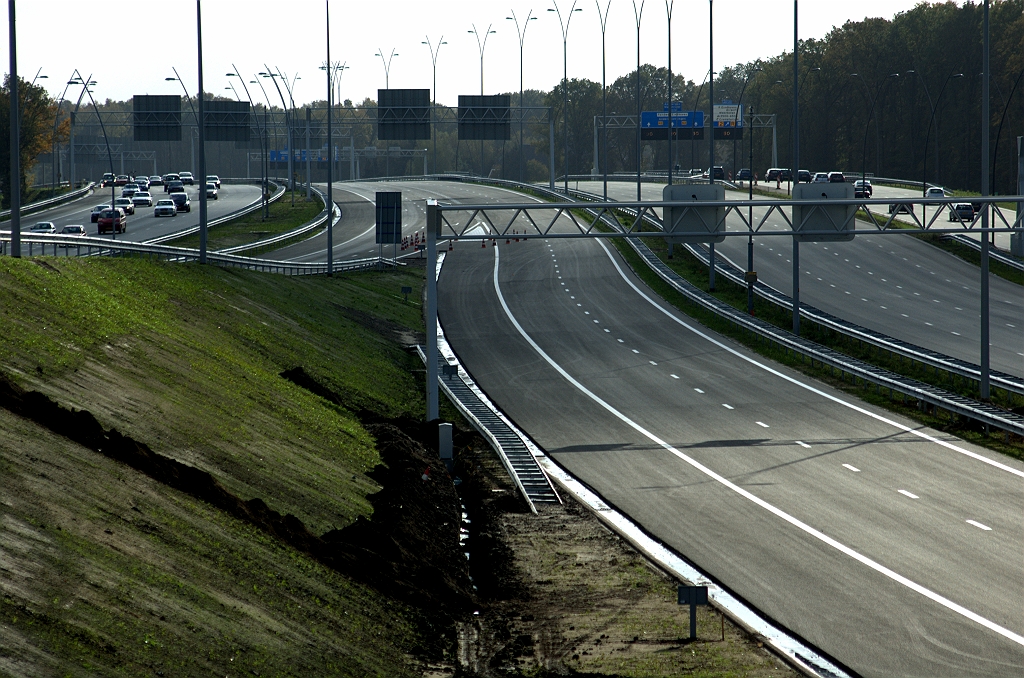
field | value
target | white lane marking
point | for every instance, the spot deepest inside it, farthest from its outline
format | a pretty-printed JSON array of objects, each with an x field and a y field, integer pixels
[
  {"x": 674, "y": 376},
  {"x": 576, "y": 304},
  {"x": 597, "y": 322},
  {"x": 761, "y": 423},
  {"x": 956, "y": 333},
  {"x": 585, "y": 312},
  {"x": 725, "y": 482},
  {"x": 728, "y": 406},
  {"x": 635, "y": 351},
  {"x": 908, "y": 494},
  {"x": 620, "y": 341},
  {"x": 698, "y": 390},
  {"x": 979, "y": 525},
  {"x": 652, "y": 362},
  {"x": 852, "y": 468},
  {"x": 606, "y": 329},
  {"x": 803, "y": 444},
  {"x": 904, "y": 315}
]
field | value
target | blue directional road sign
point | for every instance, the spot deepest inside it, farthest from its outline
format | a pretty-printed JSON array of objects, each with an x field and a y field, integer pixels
[{"x": 654, "y": 125}]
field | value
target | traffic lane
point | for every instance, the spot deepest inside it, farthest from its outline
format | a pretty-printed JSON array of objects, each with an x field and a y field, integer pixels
[
  {"x": 356, "y": 238},
  {"x": 143, "y": 226},
  {"x": 594, "y": 445},
  {"x": 757, "y": 412},
  {"x": 54, "y": 213},
  {"x": 889, "y": 283}
]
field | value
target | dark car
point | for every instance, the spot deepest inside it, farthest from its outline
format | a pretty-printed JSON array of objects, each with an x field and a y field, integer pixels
[
  {"x": 107, "y": 181},
  {"x": 862, "y": 188},
  {"x": 836, "y": 178},
  {"x": 168, "y": 178},
  {"x": 901, "y": 208},
  {"x": 804, "y": 176},
  {"x": 181, "y": 201},
  {"x": 772, "y": 174},
  {"x": 961, "y": 211},
  {"x": 744, "y": 174},
  {"x": 174, "y": 187},
  {"x": 785, "y": 174},
  {"x": 719, "y": 173}
]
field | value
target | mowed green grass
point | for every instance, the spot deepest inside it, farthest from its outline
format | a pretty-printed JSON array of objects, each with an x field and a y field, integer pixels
[{"x": 187, "y": 359}]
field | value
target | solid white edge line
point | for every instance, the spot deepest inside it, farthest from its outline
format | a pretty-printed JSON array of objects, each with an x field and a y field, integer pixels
[
  {"x": 852, "y": 468},
  {"x": 795, "y": 522},
  {"x": 908, "y": 494},
  {"x": 840, "y": 401},
  {"x": 977, "y": 524}
]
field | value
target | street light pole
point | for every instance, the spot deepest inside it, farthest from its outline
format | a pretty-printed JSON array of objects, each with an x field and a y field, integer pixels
[
  {"x": 433, "y": 93},
  {"x": 986, "y": 124},
  {"x": 603, "y": 158},
  {"x": 521, "y": 32},
  {"x": 564, "y": 24},
  {"x": 796, "y": 168},
  {"x": 288, "y": 124},
  {"x": 260, "y": 131},
  {"x": 739, "y": 117},
  {"x": 76, "y": 78},
  {"x": 671, "y": 130},
  {"x": 638, "y": 14},
  {"x": 387, "y": 65},
  {"x": 202, "y": 140},
  {"x": 330, "y": 158},
  {"x": 15, "y": 148},
  {"x": 481, "y": 46}
]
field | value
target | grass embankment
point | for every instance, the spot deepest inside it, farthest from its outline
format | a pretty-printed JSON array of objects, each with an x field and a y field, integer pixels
[
  {"x": 108, "y": 571},
  {"x": 254, "y": 227}
]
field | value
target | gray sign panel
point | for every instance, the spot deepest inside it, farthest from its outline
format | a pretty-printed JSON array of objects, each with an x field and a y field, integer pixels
[
  {"x": 403, "y": 114},
  {"x": 389, "y": 217},
  {"x": 485, "y": 117},
  {"x": 227, "y": 120},
  {"x": 156, "y": 117},
  {"x": 690, "y": 221},
  {"x": 833, "y": 222}
]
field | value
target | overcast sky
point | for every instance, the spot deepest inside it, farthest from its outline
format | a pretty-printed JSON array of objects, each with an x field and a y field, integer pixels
[{"x": 130, "y": 47}]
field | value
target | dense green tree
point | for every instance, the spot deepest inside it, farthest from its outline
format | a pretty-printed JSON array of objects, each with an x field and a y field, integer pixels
[{"x": 38, "y": 113}]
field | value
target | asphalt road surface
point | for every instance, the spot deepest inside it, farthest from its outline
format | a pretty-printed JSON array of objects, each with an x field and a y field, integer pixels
[
  {"x": 893, "y": 284},
  {"x": 142, "y": 225},
  {"x": 893, "y": 548}
]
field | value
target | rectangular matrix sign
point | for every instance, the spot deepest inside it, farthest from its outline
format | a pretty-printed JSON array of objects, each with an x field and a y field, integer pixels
[
  {"x": 156, "y": 117},
  {"x": 485, "y": 118},
  {"x": 389, "y": 217},
  {"x": 227, "y": 120},
  {"x": 403, "y": 114},
  {"x": 681, "y": 119},
  {"x": 728, "y": 115}
]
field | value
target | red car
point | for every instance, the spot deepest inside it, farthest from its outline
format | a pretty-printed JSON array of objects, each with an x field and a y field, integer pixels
[{"x": 112, "y": 220}]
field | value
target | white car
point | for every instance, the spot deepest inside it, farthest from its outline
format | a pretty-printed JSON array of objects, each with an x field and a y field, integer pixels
[
  {"x": 186, "y": 178},
  {"x": 211, "y": 190},
  {"x": 213, "y": 179},
  {"x": 165, "y": 208},
  {"x": 74, "y": 230},
  {"x": 156, "y": 180},
  {"x": 129, "y": 190},
  {"x": 935, "y": 192},
  {"x": 821, "y": 178},
  {"x": 142, "y": 199},
  {"x": 125, "y": 204},
  {"x": 42, "y": 227}
]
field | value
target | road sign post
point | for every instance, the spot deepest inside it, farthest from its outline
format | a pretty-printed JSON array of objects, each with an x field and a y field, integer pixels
[
  {"x": 693, "y": 596},
  {"x": 432, "y": 231}
]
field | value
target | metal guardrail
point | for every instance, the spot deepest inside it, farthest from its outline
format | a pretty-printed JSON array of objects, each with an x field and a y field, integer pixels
[
  {"x": 317, "y": 222},
  {"x": 248, "y": 209},
  {"x": 41, "y": 205},
  {"x": 90, "y": 246},
  {"x": 992, "y": 252}
]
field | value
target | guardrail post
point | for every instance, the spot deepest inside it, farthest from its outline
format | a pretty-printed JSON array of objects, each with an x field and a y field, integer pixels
[{"x": 433, "y": 226}]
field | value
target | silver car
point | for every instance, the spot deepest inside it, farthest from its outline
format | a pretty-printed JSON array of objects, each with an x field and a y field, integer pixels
[
  {"x": 165, "y": 208},
  {"x": 142, "y": 199}
]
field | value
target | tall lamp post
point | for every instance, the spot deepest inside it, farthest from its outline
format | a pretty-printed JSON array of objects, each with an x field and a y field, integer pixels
[
  {"x": 266, "y": 156},
  {"x": 564, "y": 24},
  {"x": 871, "y": 110},
  {"x": 335, "y": 71},
  {"x": 434, "y": 51},
  {"x": 603, "y": 158},
  {"x": 933, "y": 106},
  {"x": 76, "y": 79},
  {"x": 387, "y": 65},
  {"x": 15, "y": 139},
  {"x": 521, "y": 32},
  {"x": 288, "y": 125},
  {"x": 260, "y": 130},
  {"x": 671, "y": 130},
  {"x": 289, "y": 87},
  {"x": 638, "y": 13},
  {"x": 739, "y": 114},
  {"x": 696, "y": 102},
  {"x": 481, "y": 47}
]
